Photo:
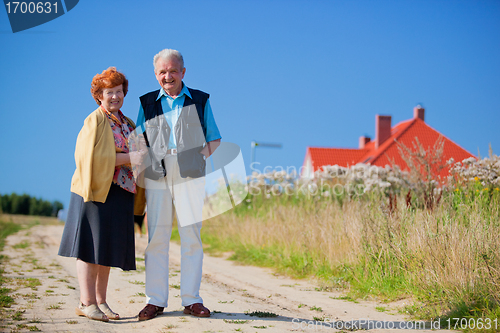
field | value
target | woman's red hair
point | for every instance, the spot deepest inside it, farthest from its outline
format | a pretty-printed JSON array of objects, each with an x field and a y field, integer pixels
[{"x": 109, "y": 78}]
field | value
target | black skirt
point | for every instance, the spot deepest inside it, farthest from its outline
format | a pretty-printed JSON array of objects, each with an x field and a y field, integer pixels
[{"x": 101, "y": 233}]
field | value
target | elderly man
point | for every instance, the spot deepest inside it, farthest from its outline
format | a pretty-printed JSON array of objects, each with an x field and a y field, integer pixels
[{"x": 181, "y": 133}]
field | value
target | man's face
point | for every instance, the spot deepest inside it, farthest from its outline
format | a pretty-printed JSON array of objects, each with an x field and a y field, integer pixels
[{"x": 169, "y": 75}]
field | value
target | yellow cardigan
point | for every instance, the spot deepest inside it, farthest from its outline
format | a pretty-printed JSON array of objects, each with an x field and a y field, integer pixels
[{"x": 95, "y": 157}]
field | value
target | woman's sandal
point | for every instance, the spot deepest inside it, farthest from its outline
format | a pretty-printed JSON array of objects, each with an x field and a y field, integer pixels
[
  {"x": 91, "y": 311},
  {"x": 108, "y": 312}
]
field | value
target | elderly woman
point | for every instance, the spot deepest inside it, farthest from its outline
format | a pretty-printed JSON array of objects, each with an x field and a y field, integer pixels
[{"x": 99, "y": 229}]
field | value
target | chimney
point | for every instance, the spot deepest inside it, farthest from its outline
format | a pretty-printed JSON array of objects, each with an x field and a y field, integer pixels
[
  {"x": 419, "y": 112},
  {"x": 363, "y": 140},
  {"x": 382, "y": 129}
]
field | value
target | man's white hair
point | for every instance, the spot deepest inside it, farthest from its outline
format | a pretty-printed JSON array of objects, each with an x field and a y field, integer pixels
[{"x": 167, "y": 54}]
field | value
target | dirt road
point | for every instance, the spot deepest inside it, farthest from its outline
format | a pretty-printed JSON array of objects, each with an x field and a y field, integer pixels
[{"x": 45, "y": 289}]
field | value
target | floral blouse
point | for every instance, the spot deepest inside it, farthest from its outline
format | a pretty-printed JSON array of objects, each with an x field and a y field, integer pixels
[{"x": 123, "y": 175}]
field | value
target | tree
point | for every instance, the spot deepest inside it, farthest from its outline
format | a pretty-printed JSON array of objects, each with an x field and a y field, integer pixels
[
  {"x": 27, "y": 205},
  {"x": 56, "y": 207}
]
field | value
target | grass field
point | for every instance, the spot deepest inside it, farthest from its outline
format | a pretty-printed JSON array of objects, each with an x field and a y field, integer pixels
[
  {"x": 446, "y": 261},
  {"x": 440, "y": 251}
]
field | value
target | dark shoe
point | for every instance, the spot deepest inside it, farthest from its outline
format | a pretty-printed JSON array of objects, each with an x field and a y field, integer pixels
[
  {"x": 197, "y": 310},
  {"x": 150, "y": 311}
]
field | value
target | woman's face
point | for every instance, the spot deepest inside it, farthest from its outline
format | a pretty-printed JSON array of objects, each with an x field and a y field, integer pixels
[{"x": 112, "y": 98}]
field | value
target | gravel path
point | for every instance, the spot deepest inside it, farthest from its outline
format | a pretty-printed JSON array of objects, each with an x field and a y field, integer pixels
[{"x": 45, "y": 289}]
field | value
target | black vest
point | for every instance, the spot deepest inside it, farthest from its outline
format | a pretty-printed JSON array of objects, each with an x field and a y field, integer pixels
[{"x": 190, "y": 134}]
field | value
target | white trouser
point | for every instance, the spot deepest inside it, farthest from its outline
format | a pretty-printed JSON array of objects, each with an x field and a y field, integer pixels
[{"x": 160, "y": 196}]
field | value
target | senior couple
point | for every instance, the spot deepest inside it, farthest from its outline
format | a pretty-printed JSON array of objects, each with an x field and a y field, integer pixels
[{"x": 176, "y": 132}]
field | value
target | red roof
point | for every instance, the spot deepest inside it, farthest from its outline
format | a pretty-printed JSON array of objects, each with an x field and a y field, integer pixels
[
  {"x": 333, "y": 156},
  {"x": 405, "y": 132}
]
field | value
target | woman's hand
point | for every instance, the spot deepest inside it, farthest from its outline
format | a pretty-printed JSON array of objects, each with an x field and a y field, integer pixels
[
  {"x": 137, "y": 156},
  {"x": 134, "y": 158}
]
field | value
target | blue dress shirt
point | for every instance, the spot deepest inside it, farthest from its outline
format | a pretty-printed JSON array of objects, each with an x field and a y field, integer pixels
[{"x": 172, "y": 108}]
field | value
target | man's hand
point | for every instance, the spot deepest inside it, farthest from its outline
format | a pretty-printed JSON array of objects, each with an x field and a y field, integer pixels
[
  {"x": 137, "y": 156},
  {"x": 210, "y": 147},
  {"x": 142, "y": 143}
]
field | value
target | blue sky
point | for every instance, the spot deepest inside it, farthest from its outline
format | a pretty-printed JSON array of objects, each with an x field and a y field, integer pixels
[{"x": 299, "y": 73}]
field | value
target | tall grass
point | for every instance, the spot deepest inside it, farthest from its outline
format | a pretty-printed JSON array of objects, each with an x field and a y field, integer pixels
[
  {"x": 446, "y": 259},
  {"x": 299, "y": 239}
]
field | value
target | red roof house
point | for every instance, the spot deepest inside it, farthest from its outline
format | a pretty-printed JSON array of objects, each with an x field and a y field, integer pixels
[{"x": 384, "y": 149}]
